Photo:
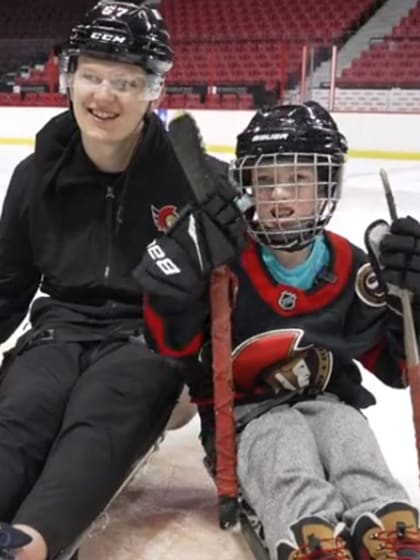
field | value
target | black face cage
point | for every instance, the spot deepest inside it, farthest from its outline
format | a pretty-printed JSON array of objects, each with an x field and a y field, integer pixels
[{"x": 294, "y": 196}]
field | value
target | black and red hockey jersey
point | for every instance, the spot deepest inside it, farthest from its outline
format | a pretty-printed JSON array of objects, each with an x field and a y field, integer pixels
[{"x": 289, "y": 343}]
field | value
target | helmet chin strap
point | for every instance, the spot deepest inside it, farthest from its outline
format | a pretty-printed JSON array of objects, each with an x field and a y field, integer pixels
[
  {"x": 292, "y": 248},
  {"x": 290, "y": 243},
  {"x": 297, "y": 247}
]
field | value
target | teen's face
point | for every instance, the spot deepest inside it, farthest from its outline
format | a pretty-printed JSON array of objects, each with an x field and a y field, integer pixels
[
  {"x": 109, "y": 99},
  {"x": 285, "y": 195}
]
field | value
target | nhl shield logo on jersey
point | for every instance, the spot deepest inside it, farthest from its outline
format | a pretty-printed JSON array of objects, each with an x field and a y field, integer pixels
[
  {"x": 164, "y": 217},
  {"x": 368, "y": 288},
  {"x": 287, "y": 300}
]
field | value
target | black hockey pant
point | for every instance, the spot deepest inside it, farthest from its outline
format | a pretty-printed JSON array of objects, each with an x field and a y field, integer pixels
[{"x": 73, "y": 420}]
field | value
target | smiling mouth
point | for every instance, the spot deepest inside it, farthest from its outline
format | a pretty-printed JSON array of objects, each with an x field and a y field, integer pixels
[
  {"x": 103, "y": 115},
  {"x": 280, "y": 218},
  {"x": 282, "y": 213}
]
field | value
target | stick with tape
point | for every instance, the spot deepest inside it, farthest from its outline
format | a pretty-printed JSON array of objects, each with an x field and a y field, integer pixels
[
  {"x": 188, "y": 146},
  {"x": 410, "y": 337}
]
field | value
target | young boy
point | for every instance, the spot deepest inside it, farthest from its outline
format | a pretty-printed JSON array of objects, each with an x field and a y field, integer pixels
[{"x": 307, "y": 304}]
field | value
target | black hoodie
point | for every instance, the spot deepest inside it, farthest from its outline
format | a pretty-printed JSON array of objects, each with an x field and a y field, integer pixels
[{"x": 77, "y": 233}]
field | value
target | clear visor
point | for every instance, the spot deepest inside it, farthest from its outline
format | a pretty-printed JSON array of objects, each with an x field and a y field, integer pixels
[
  {"x": 294, "y": 195},
  {"x": 147, "y": 87}
]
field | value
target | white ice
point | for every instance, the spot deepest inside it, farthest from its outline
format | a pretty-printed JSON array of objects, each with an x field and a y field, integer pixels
[{"x": 169, "y": 511}]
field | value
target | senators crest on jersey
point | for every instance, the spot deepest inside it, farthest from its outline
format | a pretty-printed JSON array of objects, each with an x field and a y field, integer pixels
[
  {"x": 368, "y": 287},
  {"x": 164, "y": 217},
  {"x": 278, "y": 362}
]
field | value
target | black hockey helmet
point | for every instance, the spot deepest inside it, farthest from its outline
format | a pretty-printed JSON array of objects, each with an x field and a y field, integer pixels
[
  {"x": 300, "y": 136},
  {"x": 306, "y": 128},
  {"x": 128, "y": 32}
]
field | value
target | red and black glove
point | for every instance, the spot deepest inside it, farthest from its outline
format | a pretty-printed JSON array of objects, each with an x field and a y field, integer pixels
[{"x": 205, "y": 236}]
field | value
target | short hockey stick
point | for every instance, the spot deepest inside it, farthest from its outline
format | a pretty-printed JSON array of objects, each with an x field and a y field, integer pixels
[
  {"x": 410, "y": 340},
  {"x": 410, "y": 337},
  {"x": 188, "y": 146}
]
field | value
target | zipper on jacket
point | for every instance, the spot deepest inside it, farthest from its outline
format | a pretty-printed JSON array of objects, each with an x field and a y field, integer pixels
[{"x": 109, "y": 207}]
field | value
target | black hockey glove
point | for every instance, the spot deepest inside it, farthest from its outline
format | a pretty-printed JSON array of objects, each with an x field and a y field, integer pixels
[
  {"x": 205, "y": 236},
  {"x": 395, "y": 255},
  {"x": 400, "y": 255}
]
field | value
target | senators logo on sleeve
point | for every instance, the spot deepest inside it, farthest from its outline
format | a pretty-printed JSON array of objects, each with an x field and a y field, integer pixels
[
  {"x": 278, "y": 360},
  {"x": 164, "y": 217},
  {"x": 368, "y": 288}
]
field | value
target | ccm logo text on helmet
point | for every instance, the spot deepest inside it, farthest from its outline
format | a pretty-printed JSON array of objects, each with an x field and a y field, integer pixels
[{"x": 108, "y": 37}]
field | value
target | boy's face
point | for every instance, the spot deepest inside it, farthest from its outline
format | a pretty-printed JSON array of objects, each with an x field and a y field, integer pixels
[
  {"x": 109, "y": 99},
  {"x": 285, "y": 195}
]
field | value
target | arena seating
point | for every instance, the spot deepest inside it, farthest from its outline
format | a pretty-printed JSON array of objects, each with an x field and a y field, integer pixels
[
  {"x": 393, "y": 61},
  {"x": 240, "y": 42},
  {"x": 242, "y": 52}
]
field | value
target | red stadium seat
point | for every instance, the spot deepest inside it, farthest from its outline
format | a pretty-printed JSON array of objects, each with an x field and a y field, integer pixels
[{"x": 233, "y": 32}]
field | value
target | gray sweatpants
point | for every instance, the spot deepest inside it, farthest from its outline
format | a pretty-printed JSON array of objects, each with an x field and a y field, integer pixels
[{"x": 319, "y": 457}]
